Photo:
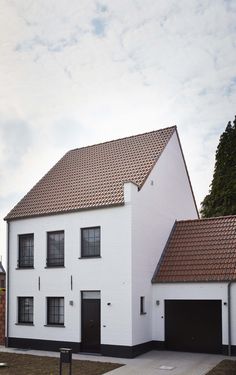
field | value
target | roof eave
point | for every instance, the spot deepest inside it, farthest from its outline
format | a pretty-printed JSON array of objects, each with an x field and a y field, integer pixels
[
  {"x": 195, "y": 281},
  {"x": 8, "y": 219}
]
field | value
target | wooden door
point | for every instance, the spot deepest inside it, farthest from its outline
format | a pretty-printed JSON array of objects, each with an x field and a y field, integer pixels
[{"x": 91, "y": 325}]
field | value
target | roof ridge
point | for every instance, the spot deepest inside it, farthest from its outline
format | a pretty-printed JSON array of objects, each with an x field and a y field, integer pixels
[
  {"x": 207, "y": 218},
  {"x": 123, "y": 138}
]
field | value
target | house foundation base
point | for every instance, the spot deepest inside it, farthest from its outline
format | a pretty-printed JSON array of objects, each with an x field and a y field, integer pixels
[{"x": 119, "y": 351}]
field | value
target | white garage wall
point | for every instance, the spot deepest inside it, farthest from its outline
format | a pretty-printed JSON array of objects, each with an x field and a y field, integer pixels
[{"x": 185, "y": 291}]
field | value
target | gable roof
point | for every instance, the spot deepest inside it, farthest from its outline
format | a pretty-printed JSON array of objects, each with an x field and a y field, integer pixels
[
  {"x": 199, "y": 250},
  {"x": 93, "y": 176}
]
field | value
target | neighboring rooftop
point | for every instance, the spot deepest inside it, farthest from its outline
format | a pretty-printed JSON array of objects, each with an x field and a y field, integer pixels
[
  {"x": 199, "y": 250},
  {"x": 2, "y": 270},
  {"x": 94, "y": 176}
]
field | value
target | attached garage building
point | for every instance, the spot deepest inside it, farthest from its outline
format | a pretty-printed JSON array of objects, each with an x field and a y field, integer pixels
[{"x": 194, "y": 289}]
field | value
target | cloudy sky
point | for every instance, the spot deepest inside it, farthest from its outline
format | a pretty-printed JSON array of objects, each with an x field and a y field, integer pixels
[{"x": 78, "y": 72}]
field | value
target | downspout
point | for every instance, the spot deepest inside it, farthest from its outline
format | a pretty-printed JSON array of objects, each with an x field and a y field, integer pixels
[
  {"x": 7, "y": 289},
  {"x": 229, "y": 317}
]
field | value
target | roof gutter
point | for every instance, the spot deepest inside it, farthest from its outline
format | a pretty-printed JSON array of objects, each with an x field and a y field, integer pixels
[
  {"x": 229, "y": 318},
  {"x": 7, "y": 286}
]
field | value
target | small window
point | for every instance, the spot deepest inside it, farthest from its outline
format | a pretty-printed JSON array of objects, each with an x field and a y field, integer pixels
[
  {"x": 2, "y": 283},
  {"x": 55, "y": 249},
  {"x": 90, "y": 242},
  {"x": 142, "y": 305},
  {"x": 25, "y": 310},
  {"x": 55, "y": 310},
  {"x": 26, "y": 251}
]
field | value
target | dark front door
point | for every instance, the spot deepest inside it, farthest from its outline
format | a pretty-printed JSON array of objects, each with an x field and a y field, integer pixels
[
  {"x": 193, "y": 325},
  {"x": 91, "y": 325}
]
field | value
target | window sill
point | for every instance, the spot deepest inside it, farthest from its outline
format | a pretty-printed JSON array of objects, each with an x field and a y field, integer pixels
[
  {"x": 24, "y": 324},
  {"x": 90, "y": 257},
  {"x": 55, "y": 325},
  {"x": 54, "y": 267},
  {"x": 25, "y": 268}
]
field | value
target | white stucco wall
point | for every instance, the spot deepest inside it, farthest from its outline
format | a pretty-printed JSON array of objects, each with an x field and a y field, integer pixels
[
  {"x": 193, "y": 291},
  {"x": 165, "y": 197},
  {"x": 110, "y": 274}
]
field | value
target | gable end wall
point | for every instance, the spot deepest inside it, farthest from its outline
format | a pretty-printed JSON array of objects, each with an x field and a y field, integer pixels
[{"x": 165, "y": 197}]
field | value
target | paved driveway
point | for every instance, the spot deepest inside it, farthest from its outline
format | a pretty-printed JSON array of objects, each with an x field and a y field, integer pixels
[{"x": 181, "y": 364}]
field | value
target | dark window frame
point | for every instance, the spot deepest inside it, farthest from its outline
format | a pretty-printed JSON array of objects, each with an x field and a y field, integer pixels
[
  {"x": 54, "y": 316},
  {"x": 25, "y": 310},
  {"x": 25, "y": 260},
  {"x": 53, "y": 261},
  {"x": 85, "y": 254}
]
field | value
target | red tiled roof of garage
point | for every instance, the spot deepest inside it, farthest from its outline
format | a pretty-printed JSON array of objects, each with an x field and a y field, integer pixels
[
  {"x": 93, "y": 176},
  {"x": 199, "y": 250}
]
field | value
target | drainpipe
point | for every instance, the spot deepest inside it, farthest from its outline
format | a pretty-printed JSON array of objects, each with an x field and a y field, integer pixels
[
  {"x": 7, "y": 289},
  {"x": 229, "y": 317}
]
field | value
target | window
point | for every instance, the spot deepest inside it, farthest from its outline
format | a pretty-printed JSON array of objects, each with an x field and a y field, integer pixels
[
  {"x": 55, "y": 249},
  {"x": 25, "y": 310},
  {"x": 55, "y": 310},
  {"x": 90, "y": 242},
  {"x": 2, "y": 283},
  {"x": 26, "y": 251},
  {"x": 142, "y": 305}
]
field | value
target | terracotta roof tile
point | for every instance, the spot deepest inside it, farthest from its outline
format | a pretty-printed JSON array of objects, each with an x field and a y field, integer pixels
[
  {"x": 94, "y": 176},
  {"x": 200, "y": 250}
]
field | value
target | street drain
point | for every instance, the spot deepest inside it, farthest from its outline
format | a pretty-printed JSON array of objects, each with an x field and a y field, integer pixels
[{"x": 166, "y": 368}]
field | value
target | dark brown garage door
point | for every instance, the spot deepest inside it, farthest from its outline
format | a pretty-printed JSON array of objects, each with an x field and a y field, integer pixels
[{"x": 193, "y": 325}]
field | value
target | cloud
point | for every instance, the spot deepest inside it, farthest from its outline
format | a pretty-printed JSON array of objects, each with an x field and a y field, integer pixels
[
  {"x": 101, "y": 8},
  {"x": 99, "y": 25},
  {"x": 15, "y": 141},
  {"x": 68, "y": 133},
  {"x": 4, "y": 200},
  {"x": 88, "y": 71},
  {"x": 51, "y": 46}
]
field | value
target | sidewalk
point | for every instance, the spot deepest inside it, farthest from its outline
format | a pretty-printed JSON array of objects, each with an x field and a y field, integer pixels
[
  {"x": 175, "y": 363},
  {"x": 82, "y": 357}
]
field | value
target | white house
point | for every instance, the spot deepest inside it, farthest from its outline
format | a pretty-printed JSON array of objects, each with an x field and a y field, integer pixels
[{"x": 84, "y": 243}]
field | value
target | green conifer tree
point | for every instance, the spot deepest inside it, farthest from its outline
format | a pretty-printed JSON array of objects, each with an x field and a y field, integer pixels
[{"x": 221, "y": 199}]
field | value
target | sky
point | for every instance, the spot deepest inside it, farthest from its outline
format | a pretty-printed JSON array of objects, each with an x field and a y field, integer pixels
[{"x": 79, "y": 72}]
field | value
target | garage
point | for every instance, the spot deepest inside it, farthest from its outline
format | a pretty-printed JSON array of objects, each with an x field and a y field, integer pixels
[{"x": 193, "y": 325}]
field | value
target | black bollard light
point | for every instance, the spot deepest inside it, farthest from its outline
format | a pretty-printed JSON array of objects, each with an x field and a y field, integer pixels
[{"x": 66, "y": 357}]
